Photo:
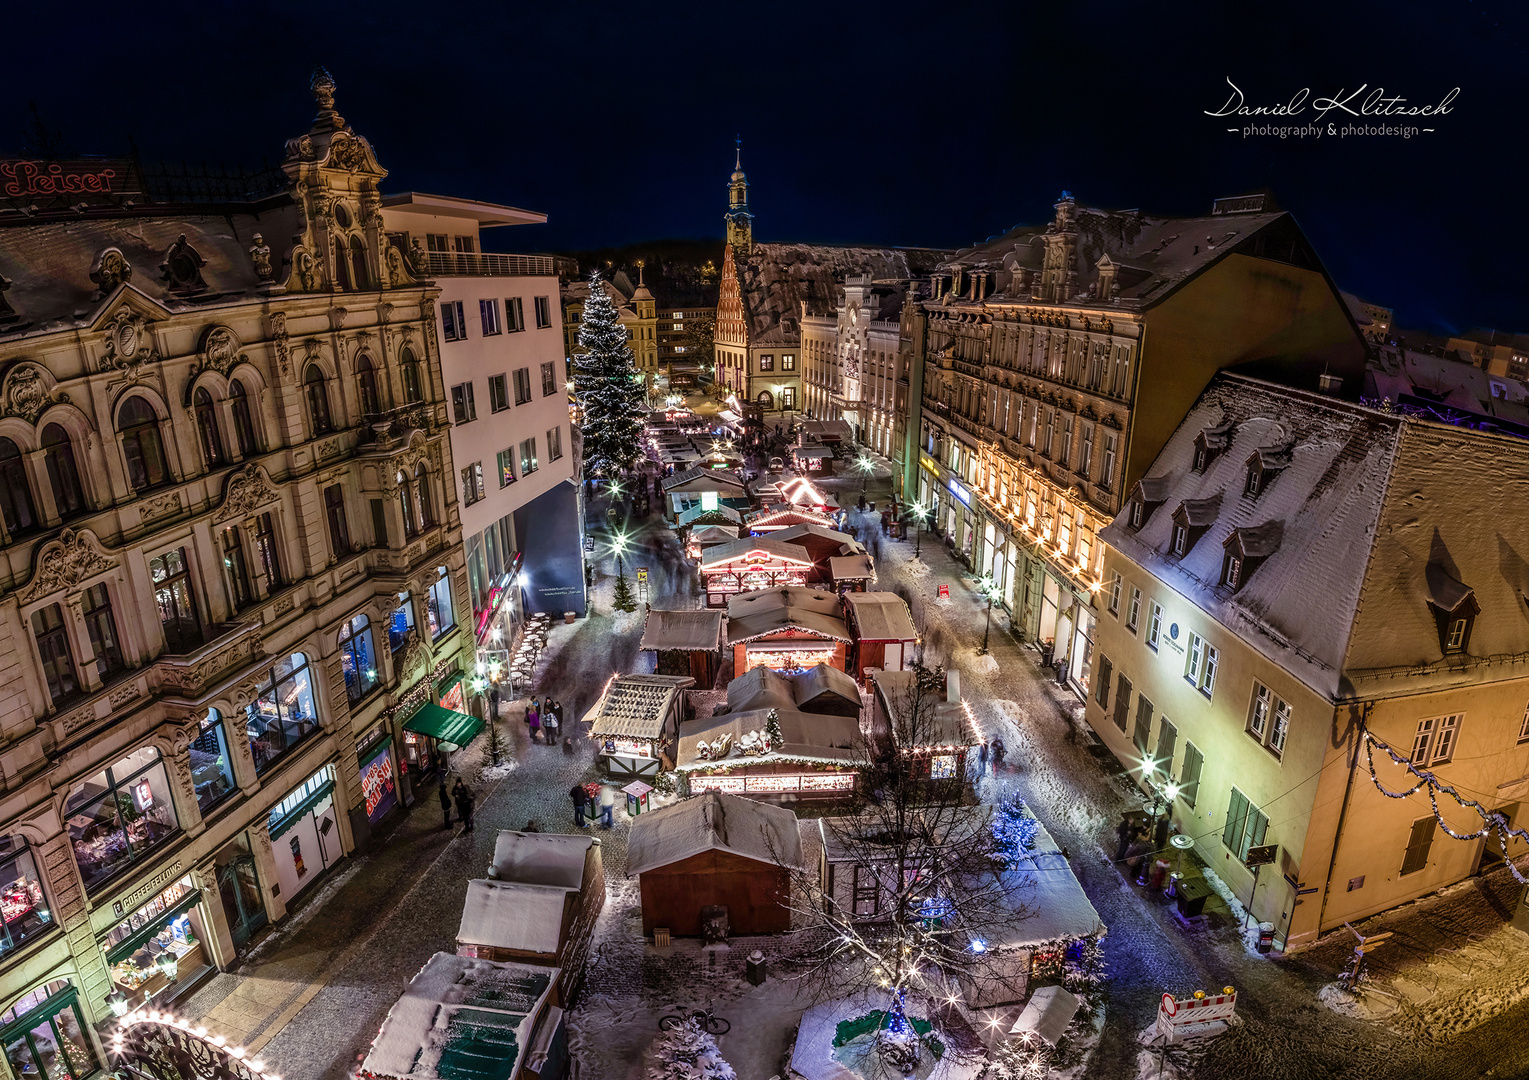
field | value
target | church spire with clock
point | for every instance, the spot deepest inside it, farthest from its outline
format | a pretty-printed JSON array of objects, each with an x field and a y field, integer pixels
[{"x": 740, "y": 223}]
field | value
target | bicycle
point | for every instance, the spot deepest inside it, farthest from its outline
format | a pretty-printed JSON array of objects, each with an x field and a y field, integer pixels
[{"x": 712, "y": 1025}]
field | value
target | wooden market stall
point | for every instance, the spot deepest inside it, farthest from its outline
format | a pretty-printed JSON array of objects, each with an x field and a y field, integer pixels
[
  {"x": 800, "y": 756},
  {"x": 788, "y": 629},
  {"x": 715, "y": 850},
  {"x": 783, "y": 516},
  {"x": 635, "y": 722},
  {"x": 819, "y": 689},
  {"x": 883, "y": 629},
  {"x": 700, "y": 485},
  {"x": 751, "y": 563},
  {"x": 688, "y": 642},
  {"x": 825, "y": 545},
  {"x": 932, "y": 732}
]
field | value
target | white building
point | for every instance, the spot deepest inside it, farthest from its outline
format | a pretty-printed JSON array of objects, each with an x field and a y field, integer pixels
[
  {"x": 500, "y": 325},
  {"x": 851, "y": 363}
]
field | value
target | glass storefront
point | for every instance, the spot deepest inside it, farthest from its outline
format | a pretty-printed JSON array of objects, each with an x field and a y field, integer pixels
[
  {"x": 158, "y": 944},
  {"x": 22, "y": 904},
  {"x": 210, "y": 771},
  {"x": 304, "y": 839},
  {"x": 283, "y": 715},
  {"x": 119, "y": 814},
  {"x": 44, "y": 1035}
]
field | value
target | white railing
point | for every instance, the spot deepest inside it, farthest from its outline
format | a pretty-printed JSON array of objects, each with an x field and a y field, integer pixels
[{"x": 488, "y": 264}]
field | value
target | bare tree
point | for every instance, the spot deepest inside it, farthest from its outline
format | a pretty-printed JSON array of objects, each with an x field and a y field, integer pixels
[{"x": 922, "y": 897}]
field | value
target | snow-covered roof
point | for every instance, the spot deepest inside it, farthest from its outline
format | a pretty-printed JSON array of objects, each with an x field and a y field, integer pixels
[
  {"x": 527, "y": 918},
  {"x": 426, "y": 1037},
  {"x": 761, "y": 688},
  {"x": 1056, "y": 906},
  {"x": 806, "y": 736},
  {"x": 824, "y": 680},
  {"x": 1447, "y": 388},
  {"x": 784, "y": 515},
  {"x": 820, "y": 431},
  {"x": 550, "y": 859},
  {"x": 721, "y": 514},
  {"x": 713, "y": 822},
  {"x": 753, "y": 615},
  {"x": 945, "y": 723},
  {"x": 851, "y": 568},
  {"x": 712, "y": 535},
  {"x": 880, "y": 616},
  {"x": 1327, "y": 501},
  {"x": 703, "y": 478},
  {"x": 694, "y": 629},
  {"x": 820, "y": 538},
  {"x": 636, "y": 706},
  {"x": 767, "y": 547}
]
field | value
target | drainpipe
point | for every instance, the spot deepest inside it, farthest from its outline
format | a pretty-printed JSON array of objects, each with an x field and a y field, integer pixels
[{"x": 1348, "y": 790}]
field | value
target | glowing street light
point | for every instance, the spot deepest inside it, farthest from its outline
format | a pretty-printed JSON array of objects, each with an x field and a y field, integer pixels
[
  {"x": 620, "y": 542},
  {"x": 920, "y": 512},
  {"x": 989, "y": 589},
  {"x": 866, "y": 466}
]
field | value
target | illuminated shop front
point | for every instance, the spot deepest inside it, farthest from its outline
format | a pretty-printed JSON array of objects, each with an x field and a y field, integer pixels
[
  {"x": 750, "y": 564},
  {"x": 45, "y": 1035},
  {"x": 772, "y": 752},
  {"x": 304, "y": 839},
  {"x": 22, "y": 902},
  {"x": 635, "y": 723},
  {"x": 792, "y": 656},
  {"x": 379, "y": 779},
  {"x": 159, "y": 945}
]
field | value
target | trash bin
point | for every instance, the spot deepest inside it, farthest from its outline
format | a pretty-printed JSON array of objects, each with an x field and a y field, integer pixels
[
  {"x": 754, "y": 968},
  {"x": 1265, "y": 937}
]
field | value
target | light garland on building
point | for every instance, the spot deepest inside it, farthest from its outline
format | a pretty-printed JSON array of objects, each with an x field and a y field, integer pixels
[
  {"x": 1494, "y": 822},
  {"x": 255, "y": 1067}
]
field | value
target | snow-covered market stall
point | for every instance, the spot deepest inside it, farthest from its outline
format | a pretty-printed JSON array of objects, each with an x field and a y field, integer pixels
[
  {"x": 749, "y": 564},
  {"x": 635, "y": 721},
  {"x": 772, "y": 753},
  {"x": 788, "y": 629},
  {"x": 687, "y": 642},
  {"x": 463, "y": 1017}
]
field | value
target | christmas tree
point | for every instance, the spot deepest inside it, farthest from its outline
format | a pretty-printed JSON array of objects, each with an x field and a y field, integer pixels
[
  {"x": 607, "y": 388},
  {"x": 687, "y": 1052},
  {"x": 624, "y": 599}
]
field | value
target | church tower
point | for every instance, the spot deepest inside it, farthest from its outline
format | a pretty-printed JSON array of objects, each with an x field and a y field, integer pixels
[{"x": 740, "y": 223}]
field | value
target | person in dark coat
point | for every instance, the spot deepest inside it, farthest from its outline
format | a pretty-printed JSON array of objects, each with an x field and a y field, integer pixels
[
  {"x": 998, "y": 755},
  {"x": 580, "y": 799},
  {"x": 1160, "y": 833},
  {"x": 550, "y": 721},
  {"x": 464, "y": 800},
  {"x": 982, "y": 761},
  {"x": 445, "y": 803},
  {"x": 1136, "y": 857},
  {"x": 1123, "y": 833}
]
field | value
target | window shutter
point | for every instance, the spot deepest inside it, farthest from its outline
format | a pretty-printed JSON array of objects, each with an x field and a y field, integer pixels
[
  {"x": 1189, "y": 778},
  {"x": 1418, "y": 844},
  {"x": 1122, "y": 700},
  {"x": 1236, "y": 814},
  {"x": 1167, "y": 739},
  {"x": 1102, "y": 693}
]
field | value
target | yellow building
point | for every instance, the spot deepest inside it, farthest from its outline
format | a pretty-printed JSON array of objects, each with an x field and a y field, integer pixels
[
  {"x": 637, "y": 312},
  {"x": 1294, "y": 571}
]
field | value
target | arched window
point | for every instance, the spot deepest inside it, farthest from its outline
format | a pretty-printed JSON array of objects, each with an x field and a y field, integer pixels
[
  {"x": 366, "y": 380},
  {"x": 438, "y": 605},
  {"x": 411, "y": 385},
  {"x": 422, "y": 495},
  {"x": 283, "y": 715},
  {"x": 341, "y": 267},
  {"x": 406, "y": 503},
  {"x": 244, "y": 430},
  {"x": 207, "y": 428},
  {"x": 318, "y": 399},
  {"x": 51, "y": 1041},
  {"x": 15, "y": 494},
  {"x": 767, "y": 399},
  {"x": 358, "y": 275},
  {"x": 58, "y": 453},
  {"x": 358, "y": 658},
  {"x": 21, "y": 885},
  {"x": 138, "y": 425}
]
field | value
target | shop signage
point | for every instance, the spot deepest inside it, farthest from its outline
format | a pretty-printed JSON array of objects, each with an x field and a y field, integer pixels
[
  {"x": 642, "y": 575},
  {"x": 958, "y": 489},
  {"x": 152, "y": 885},
  {"x": 929, "y": 464},
  {"x": 42, "y": 179},
  {"x": 944, "y": 591}
]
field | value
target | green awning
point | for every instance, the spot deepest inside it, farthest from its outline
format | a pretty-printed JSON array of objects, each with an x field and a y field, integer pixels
[
  {"x": 444, "y": 724},
  {"x": 123, "y": 949},
  {"x": 276, "y": 828}
]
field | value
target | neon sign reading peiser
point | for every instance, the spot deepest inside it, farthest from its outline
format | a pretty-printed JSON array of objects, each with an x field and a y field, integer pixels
[{"x": 22, "y": 178}]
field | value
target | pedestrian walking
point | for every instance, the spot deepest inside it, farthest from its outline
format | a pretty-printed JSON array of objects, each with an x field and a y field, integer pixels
[
  {"x": 536, "y": 725},
  {"x": 1160, "y": 833},
  {"x": 998, "y": 756},
  {"x": 459, "y": 796},
  {"x": 1123, "y": 833},
  {"x": 607, "y": 806},
  {"x": 580, "y": 799},
  {"x": 445, "y": 803},
  {"x": 982, "y": 760},
  {"x": 533, "y": 718},
  {"x": 1136, "y": 858},
  {"x": 550, "y": 723}
]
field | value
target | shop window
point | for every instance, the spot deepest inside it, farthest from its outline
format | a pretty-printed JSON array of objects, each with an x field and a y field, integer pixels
[
  {"x": 283, "y": 715},
  {"x": 207, "y": 429},
  {"x": 44, "y": 1035},
  {"x": 160, "y": 941},
  {"x": 95, "y": 603},
  {"x": 210, "y": 772},
  {"x": 53, "y": 651},
  {"x": 21, "y": 898},
  {"x": 138, "y": 428},
  {"x": 15, "y": 494},
  {"x": 119, "y": 814},
  {"x": 63, "y": 473},
  {"x": 358, "y": 658},
  {"x": 318, "y": 400},
  {"x": 438, "y": 605},
  {"x": 401, "y": 622},
  {"x": 177, "y": 605},
  {"x": 244, "y": 428}
]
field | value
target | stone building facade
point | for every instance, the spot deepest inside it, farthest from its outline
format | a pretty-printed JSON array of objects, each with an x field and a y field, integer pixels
[
  {"x": 1050, "y": 365},
  {"x": 213, "y": 623},
  {"x": 851, "y": 365}
]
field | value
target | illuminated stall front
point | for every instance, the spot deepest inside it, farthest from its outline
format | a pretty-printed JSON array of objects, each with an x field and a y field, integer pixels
[
  {"x": 635, "y": 723},
  {"x": 752, "y": 563},
  {"x": 930, "y": 730},
  {"x": 783, "y": 516},
  {"x": 787, "y": 629},
  {"x": 772, "y": 754},
  {"x": 160, "y": 945}
]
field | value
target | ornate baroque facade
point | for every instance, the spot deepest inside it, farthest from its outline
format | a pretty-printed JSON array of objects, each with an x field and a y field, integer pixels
[{"x": 215, "y": 421}]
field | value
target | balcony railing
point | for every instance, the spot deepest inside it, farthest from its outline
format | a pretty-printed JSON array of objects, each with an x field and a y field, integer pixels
[{"x": 488, "y": 264}]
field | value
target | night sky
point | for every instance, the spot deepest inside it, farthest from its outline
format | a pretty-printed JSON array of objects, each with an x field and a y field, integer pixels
[{"x": 939, "y": 123}]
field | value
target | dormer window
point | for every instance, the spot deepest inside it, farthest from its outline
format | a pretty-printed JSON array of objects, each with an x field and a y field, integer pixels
[
  {"x": 1192, "y": 520},
  {"x": 1254, "y": 482},
  {"x": 1263, "y": 465},
  {"x": 1202, "y": 457},
  {"x": 1209, "y": 443},
  {"x": 1231, "y": 571},
  {"x": 1180, "y": 539},
  {"x": 1136, "y": 514},
  {"x": 1146, "y": 496},
  {"x": 1246, "y": 550},
  {"x": 1454, "y": 607}
]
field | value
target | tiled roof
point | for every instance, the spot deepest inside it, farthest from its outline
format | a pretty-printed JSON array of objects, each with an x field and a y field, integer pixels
[{"x": 635, "y": 706}]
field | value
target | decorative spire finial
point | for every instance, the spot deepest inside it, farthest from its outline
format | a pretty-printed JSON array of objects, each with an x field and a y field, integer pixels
[
  {"x": 322, "y": 86},
  {"x": 738, "y": 151}
]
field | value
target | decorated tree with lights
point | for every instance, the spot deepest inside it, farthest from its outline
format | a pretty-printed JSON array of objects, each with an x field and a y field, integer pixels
[
  {"x": 607, "y": 389},
  {"x": 687, "y": 1052},
  {"x": 624, "y": 601},
  {"x": 946, "y": 896}
]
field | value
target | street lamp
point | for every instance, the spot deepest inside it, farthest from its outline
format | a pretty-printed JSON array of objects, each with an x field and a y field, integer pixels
[
  {"x": 990, "y": 591},
  {"x": 866, "y": 466},
  {"x": 919, "y": 512},
  {"x": 619, "y": 544}
]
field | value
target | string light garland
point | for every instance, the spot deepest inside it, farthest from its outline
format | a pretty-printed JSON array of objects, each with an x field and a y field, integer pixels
[
  {"x": 242, "y": 1063},
  {"x": 1494, "y": 821}
]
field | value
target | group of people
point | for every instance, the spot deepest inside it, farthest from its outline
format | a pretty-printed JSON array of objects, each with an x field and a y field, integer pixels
[
  {"x": 544, "y": 716},
  {"x": 587, "y": 803},
  {"x": 997, "y": 751},
  {"x": 1137, "y": 844},
  {"x": 462, "y": 797}
]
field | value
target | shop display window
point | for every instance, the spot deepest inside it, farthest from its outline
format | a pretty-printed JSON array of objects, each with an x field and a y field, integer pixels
[
  {"x": 358, "y": 658},
  {"x": 438, "y": 605},
  {"x": 44, "y": 1036},
  {"x": 401, "y": 622},
  {"x": 21, "y": 899},
  {"x": 159, "y": 941},
  {"x": 210, "y": 771},
  {"x": 283, "y": 715},
  {"x": 119, "y": 814}
]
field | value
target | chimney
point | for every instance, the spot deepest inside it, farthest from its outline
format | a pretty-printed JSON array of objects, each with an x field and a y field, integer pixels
[
  {"x": 1330, "y": 384},
  {"x": 953, "y": 687}
]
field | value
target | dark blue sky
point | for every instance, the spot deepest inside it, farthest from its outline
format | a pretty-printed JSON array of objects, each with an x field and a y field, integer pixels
[{"x": 938, "y": 123}]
